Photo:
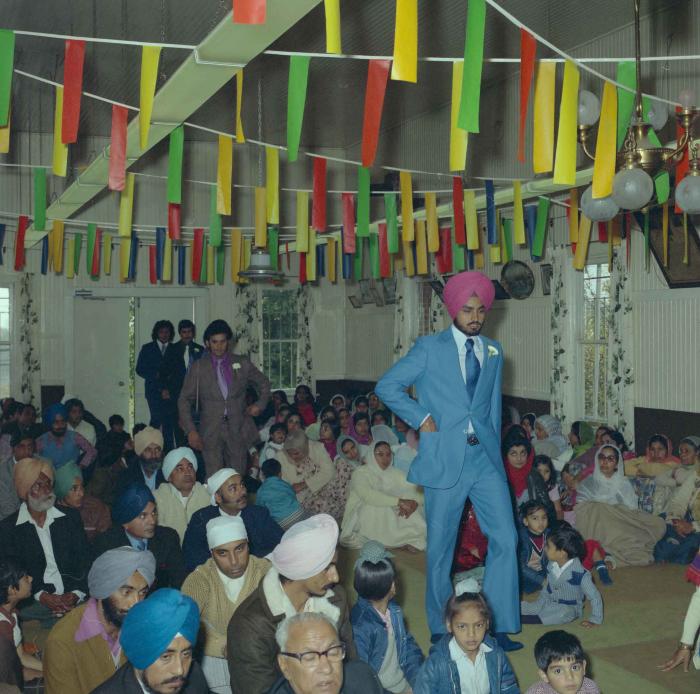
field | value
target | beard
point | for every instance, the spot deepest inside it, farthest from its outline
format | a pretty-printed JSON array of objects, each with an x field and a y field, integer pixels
[
  {"x": 59, "y": 432},
  {"x": 112, "y": 613},
  {"x": 470, "y": 329},
  {"x": 150, "y": 467},
  {"x": 151, "y": 687},
  {"x": 42, "y": 504}
]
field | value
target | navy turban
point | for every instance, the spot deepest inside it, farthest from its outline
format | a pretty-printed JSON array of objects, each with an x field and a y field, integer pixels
[
  {"x": 131, "y": 502},
  {"x": 151, "y": 625},
  {"x": 52, "y": 412}
]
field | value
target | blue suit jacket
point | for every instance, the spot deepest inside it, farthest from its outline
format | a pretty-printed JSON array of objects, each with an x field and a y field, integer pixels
[
  {"x": 148, "y": 365},
  {"x": 432, "y": 366}
]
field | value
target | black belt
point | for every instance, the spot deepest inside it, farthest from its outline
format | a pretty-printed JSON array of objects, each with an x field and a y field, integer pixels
[
  {"x": 225, "y": 418},
  {"x": 472, "y": 440}
]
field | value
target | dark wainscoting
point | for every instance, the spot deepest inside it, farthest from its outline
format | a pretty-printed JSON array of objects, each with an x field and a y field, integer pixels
[
  {"x": 50, "y": 395},
  {"x": 524, "y": 405},
  {"x": 674, "y": 424},
  {"x": 325, "y": 390}
]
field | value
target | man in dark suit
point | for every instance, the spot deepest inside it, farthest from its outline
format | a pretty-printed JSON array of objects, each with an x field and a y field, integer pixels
[
  {"x": 135, "y": 518},
  {"x": 177, "y": 360},
  {"x": 146, "y": 468},
  {"x": 148, "y": 366}
]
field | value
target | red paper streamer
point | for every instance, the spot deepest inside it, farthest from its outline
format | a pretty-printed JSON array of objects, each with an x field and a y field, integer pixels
[
  {"x": 249, "y": 11},
  {"x": 302, "y": 268},
  {"x": 196, "y": 254},
  {"x": 528, "y": 49},
  {"x": 348, "y": 223},
  {"x": 603, "y": 232},
  {"x": 22, "y": 224},
  {"x": 377, "y": 78},
  {"x": 318, "y": 209},
  {"x": 117, "y": 148},
  {"x": 95, "y": 269},
  {"x": 72, "y": 90},
  {"x": 443, "y": 258},
  {"x": 458, "y": 208},
  {"x": 682, "y": 165},
  {"x": 174, "y": 211},
  {"x": 384, "y": 257},
  {"x": 152, "y": 275}
]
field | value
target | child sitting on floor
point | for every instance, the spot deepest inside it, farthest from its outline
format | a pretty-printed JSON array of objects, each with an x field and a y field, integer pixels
[
  {"x": 278, "y": 496},
  {"x": 544, "y": 465},
  {"x": 568, "y": 583},
  {"x": 562, "y": 666},
  {"x": 278, "y": 433},
  {"x": 379, "y": 630},
  {"x": 467, "y": 658},
  {"x": 533, "y": 534}
]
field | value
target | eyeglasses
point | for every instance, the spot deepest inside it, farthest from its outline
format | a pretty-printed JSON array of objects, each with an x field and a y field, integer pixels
[
  {"x": 608, "y": 458},
  {"x": 311, "y": 659}
]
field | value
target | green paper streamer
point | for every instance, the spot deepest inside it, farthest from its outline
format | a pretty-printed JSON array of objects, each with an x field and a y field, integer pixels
[
  {"x": 40, "y": 199},
  {"x": 175, "y": 153},
  {"x": 273, "y": 246},
  {"x": 214, "y": 221},
  {"x": 220, "y": 263},
  {"x": 374, "y": 256},
  {"x": 508, "y": 238},
  {"x": 468, "y": 118},
  {"x": 91, "y": 233},
  {"x": 357, "y": 260},
  {"x": 7, "y": 58},
  {"x": 362, "y": 201},
  {"x": 541, "y": 227},
  {"x": 203, "y": 269},
  {"x": 647, "y": 254},
  {"x": 392, "y": 222},
  {"x": 76, "y": 255},
  {"x": 296, "y": 101},
  {"x": 459, "y": 258}
]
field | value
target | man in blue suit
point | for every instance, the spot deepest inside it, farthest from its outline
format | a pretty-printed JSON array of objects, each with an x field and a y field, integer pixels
[{"x": 457, "y": 376}]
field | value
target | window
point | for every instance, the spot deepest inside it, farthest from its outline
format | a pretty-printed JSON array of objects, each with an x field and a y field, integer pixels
[
  {"x": 596, "y": 302},
  {"x": 4, "y": 342},
  {"x": 280, "y": 335}
]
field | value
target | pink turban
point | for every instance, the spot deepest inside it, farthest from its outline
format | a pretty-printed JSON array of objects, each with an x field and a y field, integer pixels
[
  {"x": 460, "y": 288},
  {"x": 307, "y": 548}
]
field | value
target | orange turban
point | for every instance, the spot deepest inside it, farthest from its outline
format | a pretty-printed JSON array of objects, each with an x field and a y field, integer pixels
[{"x": 27, "y": 472}]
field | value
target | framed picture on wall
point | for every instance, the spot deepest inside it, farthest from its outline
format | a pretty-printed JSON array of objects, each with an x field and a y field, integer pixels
[{"x": 546, "y": 278}]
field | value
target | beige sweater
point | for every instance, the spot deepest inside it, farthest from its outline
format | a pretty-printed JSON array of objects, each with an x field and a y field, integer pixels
[{"x": 171, "y": 511}]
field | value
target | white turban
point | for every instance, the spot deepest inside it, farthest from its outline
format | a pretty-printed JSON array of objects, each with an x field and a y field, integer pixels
[
  {"x": 217, "y": 479},
  {"x": 307, "y": 548},
  {"x": 225, "y": 529},
  {"x": 175, "y": 456}
]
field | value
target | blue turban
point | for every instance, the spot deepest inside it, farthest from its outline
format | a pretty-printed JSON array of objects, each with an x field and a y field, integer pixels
[
  {"x": 131, "y": 502},
  {"x": 52, "y": 412},
  {"x": 151, "y": 625}
]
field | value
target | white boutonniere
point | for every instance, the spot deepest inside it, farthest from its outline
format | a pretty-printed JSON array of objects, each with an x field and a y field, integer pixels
[
  {"x": 236, "y": 366},
  {"x": 493, "y": 352}
]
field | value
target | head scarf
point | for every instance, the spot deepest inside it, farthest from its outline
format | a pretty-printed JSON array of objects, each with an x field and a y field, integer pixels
[
  {"x": 338, "y": 395},
  {"x": 693, "y": 441},
  {"x": 517, "y": 477},
  {"x": 296, "y": 440},
  {"x": 175, "y": 456},
  {"x": 145, "y": 438},
  {"x": 223, "y": 529},
  {"x": 381, "y": 432},
  {"x": 307, "y": 548},
  {"x": 391, "y": 481},
  {"x": 131, "y": 502},
  {"x": 215, "y": 482},
  {"x": 112, "y": 569},
  {"x": 27, "y": 471},
  {"x": 615, "y": 490},
  {"x": 339, "y": 445},
  {"x": 552, "y": 427},
  {"x": 151, "y": 625},
  {"x": 64, "y": 479},
  {"x": 55, "y": 410},
  {"x": 670, "y": 458},
  {"x": 373, "y": 552},
  {"x": 460, "y": 288},
  {"x": 585, "y": 435}
]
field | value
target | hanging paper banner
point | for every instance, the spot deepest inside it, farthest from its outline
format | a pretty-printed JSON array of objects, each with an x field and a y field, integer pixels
[
  {"x": 106, "y": 254},
  {"x": 458, "y": 138},
  {"x": 22, "y": 224},
  {"x": 443, "y": 259},
  {"x": 311, "y": 274},
  {"x": 260, "y": 217},
  {"x": 458, "y": 256},
  {"x": 543, "y": 135},
  {"x": 176, "y": 150},
  {"x": 220, "y": 264},
  {"x": 492, "y": 231},
  {"x": 374, "y": 256},
  {"x": 152, "y": 270},
  {"x": 302, "y": 268},
  {"x": 348, "y": 202},
  {"x": 507, "y": 231},
  {"x": 471, "y": 220},
  {"x": 384, "y": 257},
  {"x": 39, "y": 199},
  {"x": 181, "y": 264},
  {"x": 320, "y": 261},
  {"x": 5, "y": 138},
  {"x": 249, "y": 11},
  {"x": 197, "y": 254},
  {"x": 603, "y": 232},
  {"x": 405, "y": 63},
  {"x": 541, "y": 229},
  {"x": 363, "y": 185},
  {"x": 377, "y": 78},
  {"x": 664, "y": 232},
  {"x": 302, "y": 239},
  {"x": 296, "y": 102},
  {"x": 211, "y": 264},
  {"x": 72, "y": 89},
  {"x": 348, "y": 259},
  {"x": 49, "y": 250},
  {"x": 45, "y": 254},
  {"x": 204, "y": 268},
  {"x": 236, "y": 254},
  {"x": 530, "y": 229},
  {"x": 528, "y": 50},
  {"x": 458, "y": 210},
  {"x": 332, "y": 246},
  {"x": 392, "y": 222},
  {"x": 94, "y": 270},
  {"x": 224, "y": 175},
  {"x": 318, "y": 211},
  {"x": 584, "y": 237},
  {"x": 567, "y": 139},
  {"x": 70, "y": 258},
  {"x": 421, "y": 248},
  {"x": 57, "y": 255},
  {"x": 333, "y": 43},
  {"x": 214, "y": 220},
  {"x": 406, "y": 185},
  {"x": 518, "y": 217},
  {"x": 272, "y": 184},
  {"x": 167, "y": 270},
  {"x": 60, "y": 151},
  {"x": 431, "y": 219},
  {"x": 616, "y": 231},
  {"x": 7, "y": 58},
  {"x": 605, "y": 149},
  {"x": 273, "y": 235},
  {"x": 240, "y": 136},
  {"x": 626, "y": 75},
  {"x": 573, "y": 216},
  {"x": 160, "y": 251},
  {"x": 358, "y": 257},
  {"x": 150, "y": 55},
  {"x": 174, "y": 214},
  {"x": 90, "y": 253},
  {"x": 77, "y": 249},
  {"x": 117, "y": 148},
  {"x": 473, "y": 63},
  {"x": 126, "y": 206},
  {"x": 495, "y": 254}
]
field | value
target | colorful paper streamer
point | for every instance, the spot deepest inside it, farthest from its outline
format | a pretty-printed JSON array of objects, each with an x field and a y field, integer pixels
[
  {"x": 421, "y": 248},
  {"x": 605, "y": 149},
  {"x": 348, "y": 203},
  {"x": 468, "y": 118},
  {"x": 90, "y": 253},
  {"x": 518, "y": 216},
  {"x": 249, "y": 11},
  {"x": 459, "y": 138},
  {"x": 407, "y": 221},
  {"x": 58, "y": 236},
  {"x": 296, "y": 102},
  {"x": 260, "y": 217},
  {"x": 567, "y": 139},
  {"x": 167, "y": 271},
  {"x": 377, "y": 78},
  {"x": 107, "y": 254},
  {"x": 528, "y": 50},
  {"x": 215, "y": 227},
  {"x": 302, "y": 236},
  {"x": 240, "y": 136},
  {"x": 117, "y": 148},
  {"x": 5, "y": 137},
  {"x": 405, "y": 64},
  {"x": 431, "y": 218},
  {"x": 363, "y": 185},
  {"x": 174, "y": 217},
  {"x": 73, "y": 62},
  {"x": 150, "y": 56},
  {"x": 392, "y": 223},
  {"x": 126, "y": 206},
  {"x": 491, "y": 229},
  {"x": 543, "y": 135},
  {"x": 272, "y": 184},
  {"x": 77, "y": 250},
  {"x": 197, "y": 254},
  {"x": 471, "y": 220},
  {"x": 20, "y": 259},
  {"x": 181, "y": 264},
  {"x": 332, "y": 11},
  {"x": 543, "y": 205},
  {"x": 318, "y": 211},
  {"x": 224, "y": 175},
  {"x": 584, "y": 236},
  {"x": 458, "y": 210},
  {"x": 176, "y": 151},
  {"x": 236, "y": 254},
  {"x": 7, "y": 58},
  {"x": 60, "y": 151}
]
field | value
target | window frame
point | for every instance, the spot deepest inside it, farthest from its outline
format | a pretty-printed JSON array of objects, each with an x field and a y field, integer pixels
[
  {"x": 11, "y": 342},
  {"x": 288, "y": 389}
]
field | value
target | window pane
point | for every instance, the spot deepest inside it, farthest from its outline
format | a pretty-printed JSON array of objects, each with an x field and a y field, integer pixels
[
  {"x": 4, "y": 371},
  {"x": 4, "y": 314}
]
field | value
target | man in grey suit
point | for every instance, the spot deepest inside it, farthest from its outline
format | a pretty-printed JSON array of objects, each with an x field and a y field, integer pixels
[{"x": 215, "y": 387}]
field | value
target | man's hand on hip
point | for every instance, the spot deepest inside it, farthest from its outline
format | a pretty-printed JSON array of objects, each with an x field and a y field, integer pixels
[
  {"x": 195, "y": 440},
  {"x": 428, "y": 425}
]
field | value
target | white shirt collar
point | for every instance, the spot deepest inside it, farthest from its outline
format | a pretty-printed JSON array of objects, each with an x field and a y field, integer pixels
[
  {"x": 25, "y": 517},
  {"x": 456, "y": 652},
  {"x": 461, "y": 339},
  {"x": 559, "y": 570}
]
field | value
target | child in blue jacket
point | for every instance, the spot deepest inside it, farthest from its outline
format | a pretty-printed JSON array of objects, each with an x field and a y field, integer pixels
[
  {"x": 466, "y": 658},
  {"x": 378, "y": 626}
]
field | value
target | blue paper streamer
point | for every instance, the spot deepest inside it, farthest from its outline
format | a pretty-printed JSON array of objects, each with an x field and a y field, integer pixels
[
  {"x": 492, "y": 232},
  {"x": 530, "y": 226},
  {"x": 133, "y": 255},
  {"x": 44, "y": 255},
  {"x": 160, "y": 251},
  {"x": 2, "y": 242},
  {"x": 320, "y": 261},
  {"x": 181, "y": 257},
  {"x": 470, "y": 259}
]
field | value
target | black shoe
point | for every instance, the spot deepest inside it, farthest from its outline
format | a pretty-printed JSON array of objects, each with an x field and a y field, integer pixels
[{"x": 505, "y": 642}]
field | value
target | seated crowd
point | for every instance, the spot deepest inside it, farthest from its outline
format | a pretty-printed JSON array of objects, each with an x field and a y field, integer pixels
[{"x": 150, "y": 580}]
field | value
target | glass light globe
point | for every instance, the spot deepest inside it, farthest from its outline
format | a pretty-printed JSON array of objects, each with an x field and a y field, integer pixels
[
  {"x": 688, "y": 194},
  {"x": 588, "y": 108},
  {"x": 657, "y": 115},
  {"x": 687, "y": 97},
  {"x": 598, "y": 209},
  {"x": 632, "y": 188}
]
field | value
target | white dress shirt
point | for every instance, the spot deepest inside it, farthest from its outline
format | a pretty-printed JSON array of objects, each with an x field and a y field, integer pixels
[
  {"x": 559, "y": 570},
  {"x": 473, "y": 677},
  {"x": 86, "y": 430}
]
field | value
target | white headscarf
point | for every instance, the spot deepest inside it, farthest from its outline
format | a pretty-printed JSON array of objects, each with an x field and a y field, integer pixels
[
  {"x": 614, "y": 490},
  {"x": 175, "y": 456},
  {"x": 389, "y": 481},
  {"x": 554, "y": 436}
]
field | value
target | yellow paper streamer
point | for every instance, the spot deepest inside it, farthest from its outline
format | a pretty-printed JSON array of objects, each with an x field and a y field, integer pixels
[
  {"x": 260, "y": 217},
  {"x": 471, "y": 219},
  {"x": 405, "y": 64},
  {"x": 432, "y": 221},
  {"x": 211, "y": 264},
  {"x": 421, "y": 248},
  {"x": 236, "y": 254},
  {"x": 407, "y": 255},
  {"x": 150, "y": 55},
  {"x": 543, "y": 136},
  {"x": 272, "y": 184},
  {"x": 479, "y": 261},
  {"x": 606, "y": 144},
  {"x": 458, "y": 138},
  {"x": 332, "y": 255},
  {"x": 518, "y": 215},
  {"x": 126, "y": 206},
  {"x": 302, "y": 240},
  {"x": 584, "y": 237},
  {"x": 407, "y": 206},
  {"x": 70, "y": 261},
  {"x": 664, "y": 232},
  {"x": 60, "y": 151},
  {"x": 333, "y": 43},
  {"x": 617, "y": 231},
  {"x": 495, "y": 253},
  {"x": 58, "y": 233},
  {"x": 124, "y": 254},
  {"x": 573, "y": 216},
  {"x": 106, "y": 254},
  {"x": 311, "y": 256},
  {"x": 565, "y": 164},
  {"x": 240, "y": 137},
  {"x": 224, "y": 175},
  {"x": 166, "y": 273},
  {"x": 5, "y": 136}
]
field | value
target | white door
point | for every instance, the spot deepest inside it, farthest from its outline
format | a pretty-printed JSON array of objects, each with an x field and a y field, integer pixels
[{"x": 101, "y": 375}]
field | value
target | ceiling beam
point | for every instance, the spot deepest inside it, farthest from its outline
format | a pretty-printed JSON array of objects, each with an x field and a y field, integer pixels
[{"x": 206, "y": 70}]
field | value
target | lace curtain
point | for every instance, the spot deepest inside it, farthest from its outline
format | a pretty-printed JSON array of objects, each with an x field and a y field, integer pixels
[
  {"x": 305, "y": 363},
  {"x": 439, "y": 319},
  {"x": 406, "y": 315},
  {"x": 246, "y": 322},
  {"x": 27, "y": 327}
]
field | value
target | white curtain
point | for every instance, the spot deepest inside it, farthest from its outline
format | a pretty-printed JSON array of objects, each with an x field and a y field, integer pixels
[
  {"x": 27, "y": 327},
  {"x": 305, "y": 362},
  {"x": 439, "y": 318},
  {"x": 246, "y": 322},
  {"x": 406, "y": 315}
]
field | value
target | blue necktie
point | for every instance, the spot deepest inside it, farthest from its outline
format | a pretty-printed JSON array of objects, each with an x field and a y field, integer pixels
[
  {"x": 472, "y": 369},
  {"x": 141, "y": 545}
]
